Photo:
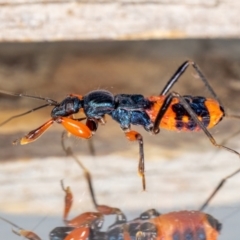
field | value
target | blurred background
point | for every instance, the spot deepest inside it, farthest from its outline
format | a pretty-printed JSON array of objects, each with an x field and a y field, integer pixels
[{"x": 123, "y": 47}]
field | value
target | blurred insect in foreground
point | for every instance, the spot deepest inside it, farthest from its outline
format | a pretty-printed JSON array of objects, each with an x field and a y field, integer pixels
[
  {"x": 192, "y": 225},
  {"x": 168, "y": 110}
]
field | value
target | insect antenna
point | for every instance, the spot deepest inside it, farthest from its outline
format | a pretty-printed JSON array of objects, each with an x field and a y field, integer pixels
[
  {"x": 22, "y": 114},
  {"x": 50, "y": 102},
  {"x": 11, "y": 223},
  {"x": 232, "y": 116}
]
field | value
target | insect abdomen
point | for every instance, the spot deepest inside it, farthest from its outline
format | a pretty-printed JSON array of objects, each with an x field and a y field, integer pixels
[
  {"x": 190, "y": 225},
  {"x": 208, "y": 111}
]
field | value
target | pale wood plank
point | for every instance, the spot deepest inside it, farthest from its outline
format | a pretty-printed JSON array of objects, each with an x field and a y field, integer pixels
[{"x": 71, "y": 20}]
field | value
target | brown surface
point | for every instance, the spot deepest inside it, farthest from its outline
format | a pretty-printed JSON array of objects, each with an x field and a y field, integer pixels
[{"x": 45, "y": 20}]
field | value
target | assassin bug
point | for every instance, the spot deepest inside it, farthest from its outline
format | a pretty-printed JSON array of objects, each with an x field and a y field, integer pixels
[
  {"x": 191, "y": 225},
  {"x": 168, "y": 110}
]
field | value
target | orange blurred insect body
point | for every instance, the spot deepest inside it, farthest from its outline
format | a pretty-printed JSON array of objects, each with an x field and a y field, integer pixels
[
  {"x": 150, "y": 225},
  {"x": 191, "y": 225}
]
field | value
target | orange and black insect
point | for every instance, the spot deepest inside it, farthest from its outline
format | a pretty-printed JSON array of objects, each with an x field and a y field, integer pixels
[
  {"x": 191, "y": 225},
  {"x": 168, "y": 110},
  {"x": 187, "y": 225}
]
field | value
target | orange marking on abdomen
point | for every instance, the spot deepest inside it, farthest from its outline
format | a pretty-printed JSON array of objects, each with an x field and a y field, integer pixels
[
  {"x": 168, "y": 121},
  {"x": 216, "y": 112}
]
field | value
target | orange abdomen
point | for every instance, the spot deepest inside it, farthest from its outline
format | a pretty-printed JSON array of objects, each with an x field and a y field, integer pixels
[
  {"x": 208, "y": 111},
  {"x": 191, "y": 225}
]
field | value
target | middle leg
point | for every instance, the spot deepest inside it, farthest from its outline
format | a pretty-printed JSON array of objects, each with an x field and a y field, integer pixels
[{"x": 135, "y": 136}]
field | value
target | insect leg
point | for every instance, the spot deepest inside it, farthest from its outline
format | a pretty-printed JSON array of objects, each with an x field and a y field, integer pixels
[
  {"x": 161, "y": 112},
  {"x": 103, "y": 209},
  {"x": 135, "y": 136},
  {"x": 75, "y": 127},
  {"x": 200, "y": 124},
  {"x": 35, "y": 134},
  {"x": 219, "y": 186},
  {"x": 93, "y": 126},
  {"x": 179, "y": 73},
  {"x": 84, "y": 218}
]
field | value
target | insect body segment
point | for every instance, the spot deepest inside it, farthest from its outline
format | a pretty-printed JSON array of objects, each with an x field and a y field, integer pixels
[
  {"x": 98, "y": 103},
  {"x": 208, "y": 111},
  {"x": 192, "y": 225},
  {"x": 131, "y": 110},
  {"x": 67, "y": 107}
]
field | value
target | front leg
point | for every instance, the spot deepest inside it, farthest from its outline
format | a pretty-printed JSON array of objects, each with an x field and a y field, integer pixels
[
  {"x": 82, "y": 219},
  {"x": 35, "y": 134},
  {"x": 76, "y": 128}
]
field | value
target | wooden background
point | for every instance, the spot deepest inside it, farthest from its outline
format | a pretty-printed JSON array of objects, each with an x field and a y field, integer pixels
[
  {"x": 34, "y": 20},
  {"x": 53, "y": 48},
  {"x": 181, "y": 168}
]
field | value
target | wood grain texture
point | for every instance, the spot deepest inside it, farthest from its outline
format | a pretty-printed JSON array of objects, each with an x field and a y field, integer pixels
[{"x": 58, "y": 20}]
